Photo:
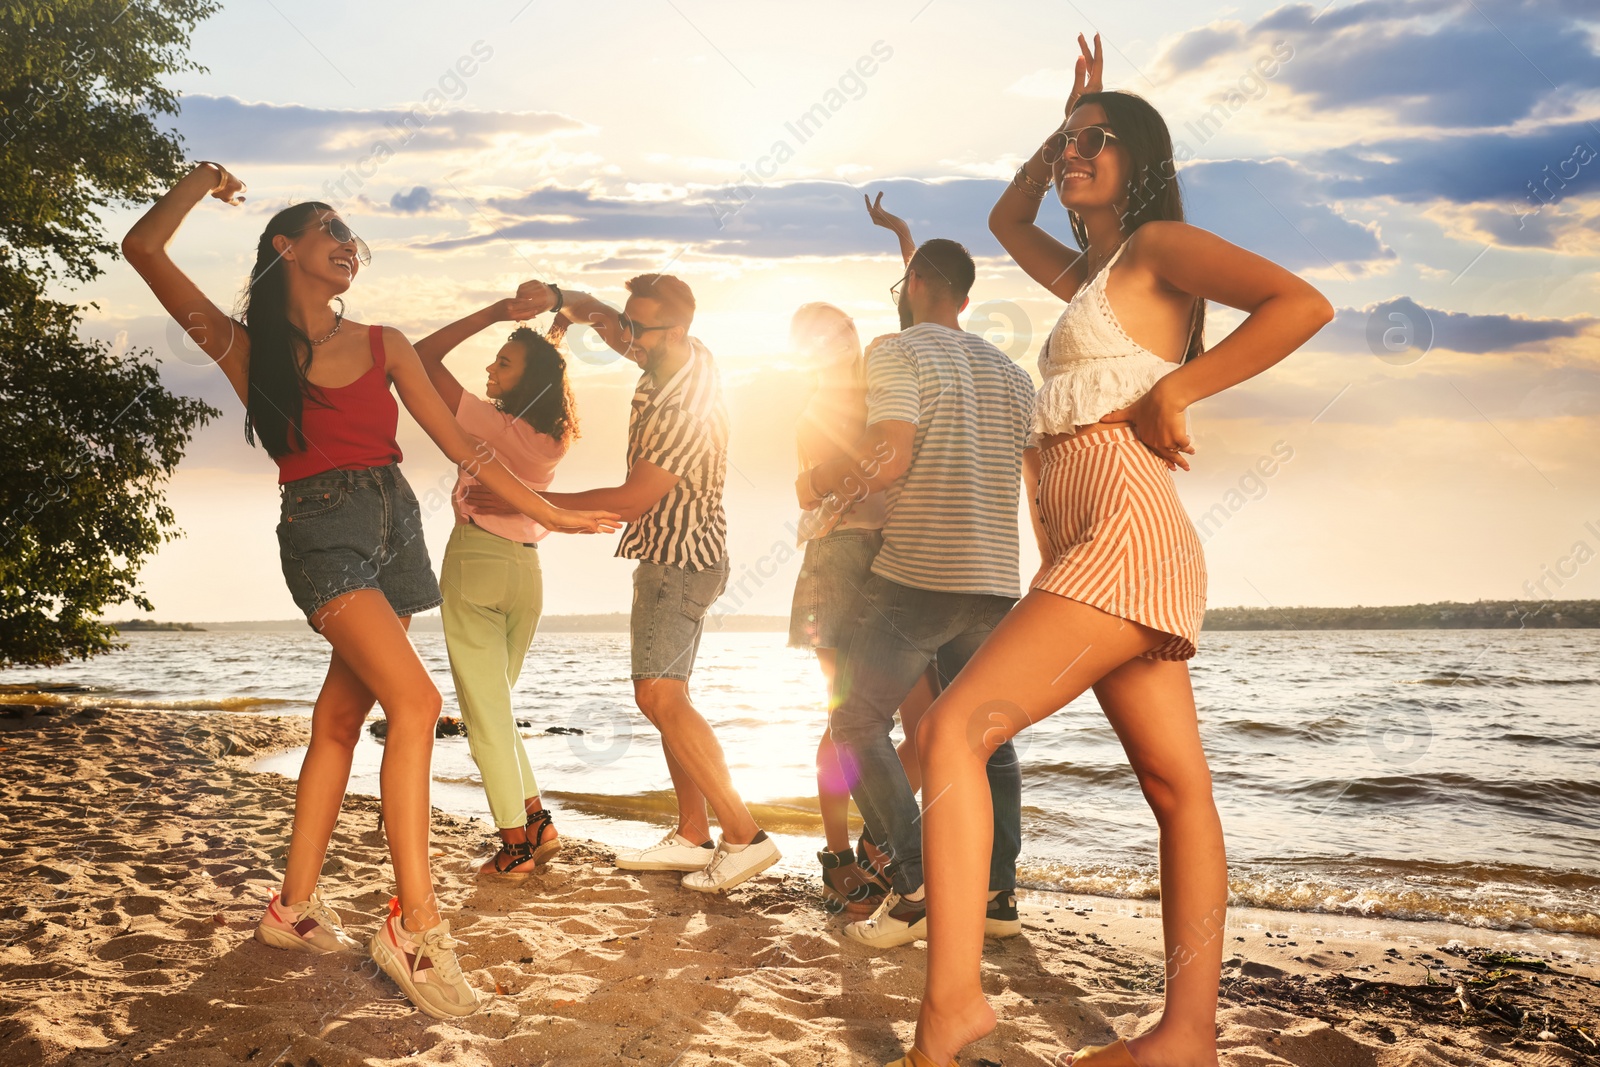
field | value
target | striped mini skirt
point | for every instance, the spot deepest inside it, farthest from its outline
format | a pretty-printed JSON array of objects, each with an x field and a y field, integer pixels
[{"x": 1120, "y": 537}]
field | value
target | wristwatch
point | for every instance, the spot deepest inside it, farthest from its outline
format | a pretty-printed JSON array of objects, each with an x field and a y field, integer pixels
[{"x": 561, "y": 297}]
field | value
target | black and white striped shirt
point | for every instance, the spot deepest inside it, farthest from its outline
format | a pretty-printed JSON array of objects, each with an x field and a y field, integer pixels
[{"x": 682, "y": 427}]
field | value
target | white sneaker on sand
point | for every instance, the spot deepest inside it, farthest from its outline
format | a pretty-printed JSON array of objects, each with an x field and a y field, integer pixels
[
  {"x": 424, "y": 966},
  {"x": 310, "y": 926},
  {"x": 728, "y": 868},
  {"x": 1000, "y": 918},
  {"x": 885, "y": 929},
  {"x": 672, "y": 853}
]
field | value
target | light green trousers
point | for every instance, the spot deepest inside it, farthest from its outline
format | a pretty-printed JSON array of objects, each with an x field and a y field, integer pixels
[{"x": 493, "y": 594}]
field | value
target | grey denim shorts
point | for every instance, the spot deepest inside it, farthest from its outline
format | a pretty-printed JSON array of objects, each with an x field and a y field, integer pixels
[
  {"x": 828, "y": 593},
  {"x": 340, "y": 531},
  {"x": 669, "y": 614}
]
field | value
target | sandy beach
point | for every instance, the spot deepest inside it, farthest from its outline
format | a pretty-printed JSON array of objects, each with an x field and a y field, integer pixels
[{"x": 139, "y": 849}]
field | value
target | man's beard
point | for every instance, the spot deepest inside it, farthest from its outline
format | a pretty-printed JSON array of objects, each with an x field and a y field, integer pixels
[
  {"x": 905, "y": 310},
  {"x": 651, "y": 357}
]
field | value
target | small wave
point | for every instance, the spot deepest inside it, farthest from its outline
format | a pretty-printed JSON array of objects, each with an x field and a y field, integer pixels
[
  {"x": 1543, "y": 741},
  {"x": 1507, "y": 680},
  {"x": 77, "y": 699},
  {"x": 1504, "y": 899}
]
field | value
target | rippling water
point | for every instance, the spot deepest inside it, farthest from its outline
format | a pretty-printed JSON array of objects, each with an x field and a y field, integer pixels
[{"x": 1450, "y": 775}]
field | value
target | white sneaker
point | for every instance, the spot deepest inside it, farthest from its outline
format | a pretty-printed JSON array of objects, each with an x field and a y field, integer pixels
[
  {"x": 424, "y": 966},
  {"x": 672, "y": 853},
  {"x": 884, "y": 930},
  {"x": 310, "y": 926},
  {"x": 727, "y": 869}
]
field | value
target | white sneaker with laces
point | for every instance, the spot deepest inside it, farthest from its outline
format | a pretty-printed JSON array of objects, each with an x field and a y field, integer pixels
[
  {"x": 424, "y": 966},
  {"x": 310, "y": 926},
  {"x": 728, "y": 869},
  {"x": 672, "y": 853},
  {"x": 884, "y": 930}
]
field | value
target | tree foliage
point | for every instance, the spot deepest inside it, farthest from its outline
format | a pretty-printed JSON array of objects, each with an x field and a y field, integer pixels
[{"x": 88, "y": 435}]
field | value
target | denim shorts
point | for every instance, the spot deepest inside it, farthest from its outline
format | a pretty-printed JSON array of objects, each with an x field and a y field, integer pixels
[
  {"x": 669, "y": 614},
  {"x": 340, "y": 531},
  {"x": 827, "y": 595}
]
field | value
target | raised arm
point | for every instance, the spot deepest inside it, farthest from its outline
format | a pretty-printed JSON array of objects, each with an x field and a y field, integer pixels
[
  {"x": 1284, "y": 310},
  {"x": 216, "y": 333},
  {"x": 433, "y": 348},
  {"x": 1012, "y": 219},
  {"x": 894, "y": 224},
  {"x": 425, "y": 405},
  {"x": 582, "y": 308}
]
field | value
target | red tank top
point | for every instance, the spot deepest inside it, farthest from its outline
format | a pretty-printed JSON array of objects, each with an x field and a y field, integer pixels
[{"x": 350, "y": 427}]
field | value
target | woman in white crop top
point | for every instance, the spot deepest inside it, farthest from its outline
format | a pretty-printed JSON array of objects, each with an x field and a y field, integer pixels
[{"x": 1116, "y": 604}]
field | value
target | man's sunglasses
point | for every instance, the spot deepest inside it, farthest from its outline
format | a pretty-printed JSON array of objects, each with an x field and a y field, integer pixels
[
  {"x": 898, "y": 287},
  {"x": 634, "y": 329},
  {"x": 1088, "y": 141},
  {"x": 340, "y": 231}
]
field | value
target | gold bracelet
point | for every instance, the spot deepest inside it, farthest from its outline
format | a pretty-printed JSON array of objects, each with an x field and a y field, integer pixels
[
  {"x": 222, "y": 173},
  {"x": 1030, "y": 185}
]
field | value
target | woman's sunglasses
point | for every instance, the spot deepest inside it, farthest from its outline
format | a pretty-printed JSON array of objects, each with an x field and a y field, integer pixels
[
  {"x": 1089, "y": 141},
  {"x": 340, "y": 231}
]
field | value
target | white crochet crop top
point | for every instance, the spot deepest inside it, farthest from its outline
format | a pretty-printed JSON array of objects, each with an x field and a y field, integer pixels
[{"x": 1090, "y": 366}]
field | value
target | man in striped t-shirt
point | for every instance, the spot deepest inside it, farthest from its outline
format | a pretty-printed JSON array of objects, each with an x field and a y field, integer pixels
[
  {"x": 672, "y": 503},
  {"x": 949, "y": 416}
]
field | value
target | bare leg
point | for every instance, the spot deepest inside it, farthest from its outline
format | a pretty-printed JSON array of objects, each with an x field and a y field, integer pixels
[
  {"x": 694, "y": 754},
  {"x": 833, "y": 787},
  {"x": 1043, "y": 654},
  {"x": 336, "y": 720},
  {"x": 367, "y": 636},
  {"x": 1151, "y": 706},
  {"x": 912, "y": 709},
  {"x": 694, "y": 824}
]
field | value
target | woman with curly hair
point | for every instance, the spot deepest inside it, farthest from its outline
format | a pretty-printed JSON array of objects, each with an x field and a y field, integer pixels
[{"x": 491, "y": 580}]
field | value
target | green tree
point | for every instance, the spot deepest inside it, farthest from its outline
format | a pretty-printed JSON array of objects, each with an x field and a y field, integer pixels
[{"x": 88, "y": 436}]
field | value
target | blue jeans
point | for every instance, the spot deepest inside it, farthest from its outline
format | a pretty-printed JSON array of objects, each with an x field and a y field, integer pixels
[{"x": 900, "y": 632}]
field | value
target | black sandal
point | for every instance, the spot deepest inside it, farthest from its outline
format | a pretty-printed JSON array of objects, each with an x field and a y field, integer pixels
[
  {"x": 835, "y": 898},
  {"x": 538, "y": 822},
  {"x": 512, "y": 854}
]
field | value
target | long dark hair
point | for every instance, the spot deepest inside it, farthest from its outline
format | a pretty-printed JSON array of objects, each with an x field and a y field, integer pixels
[
  {"x": 280, "y": 351},
  {"x": 1153, "y": 192},
  {"x": 542, "y": 397}
]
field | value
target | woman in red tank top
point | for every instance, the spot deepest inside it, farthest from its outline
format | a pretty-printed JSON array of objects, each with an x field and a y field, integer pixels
[{"x": 316, "y": 391}]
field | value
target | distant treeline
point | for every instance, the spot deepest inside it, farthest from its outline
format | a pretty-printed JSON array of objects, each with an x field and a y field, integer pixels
[
  {"x": 614, "y": 622},
  {"x": 1445, "y": 615},
  {"x": 146, "y": 624}
]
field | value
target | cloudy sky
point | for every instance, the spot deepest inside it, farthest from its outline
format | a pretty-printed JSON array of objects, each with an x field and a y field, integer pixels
[{"x": 1431, "y": 165}]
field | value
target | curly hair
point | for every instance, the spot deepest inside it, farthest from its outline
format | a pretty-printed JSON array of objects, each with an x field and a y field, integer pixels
[{"x": 542, "y": 397}]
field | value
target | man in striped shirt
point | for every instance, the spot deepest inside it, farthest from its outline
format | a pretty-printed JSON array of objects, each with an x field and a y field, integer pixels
[
  {"x": 949, "y": 416},
  {"x": 672, "y": 503}
]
